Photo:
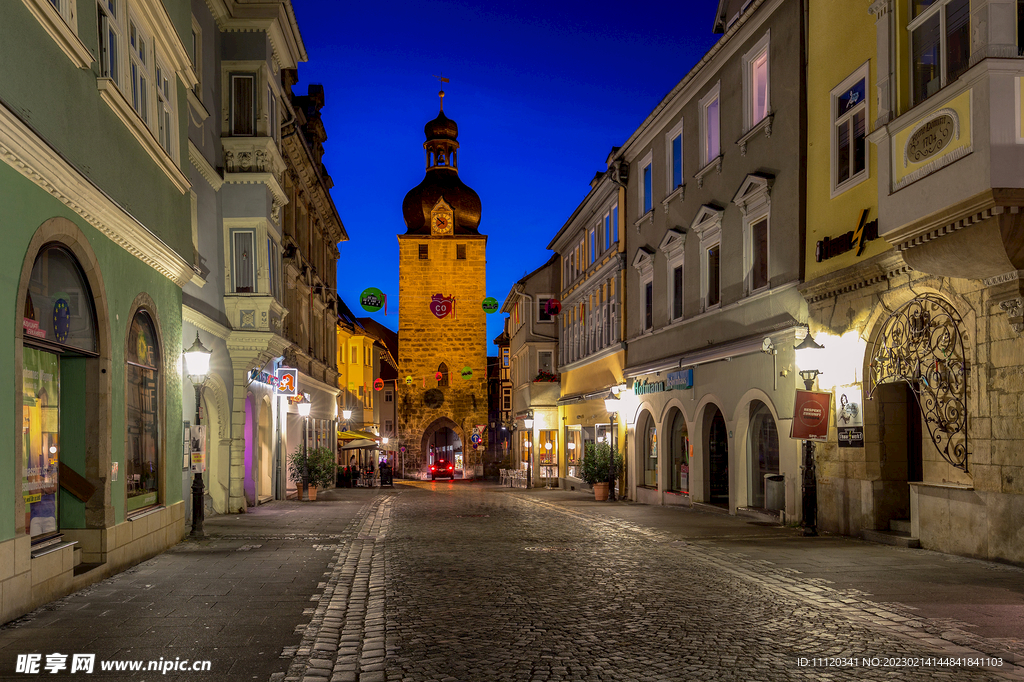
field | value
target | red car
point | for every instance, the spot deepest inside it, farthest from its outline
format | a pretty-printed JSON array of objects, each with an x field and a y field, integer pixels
[{"x": 442, "y": 468}]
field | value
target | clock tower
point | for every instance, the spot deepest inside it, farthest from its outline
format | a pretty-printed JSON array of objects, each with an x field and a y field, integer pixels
[{"x": 442, "y": 336}]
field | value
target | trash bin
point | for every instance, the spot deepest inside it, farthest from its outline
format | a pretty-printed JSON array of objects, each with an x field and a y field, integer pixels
[{"x": 774, "y": 492}]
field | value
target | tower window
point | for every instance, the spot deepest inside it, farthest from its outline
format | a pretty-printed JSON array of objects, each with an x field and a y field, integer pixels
[
  {"x": 442, "y": 372},
  {"x": 460, "y": 251},
  {"x": 423, "y": 252}
]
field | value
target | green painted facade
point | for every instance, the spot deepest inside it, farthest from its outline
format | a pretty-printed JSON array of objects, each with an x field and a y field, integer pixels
[{"x": 64, "y": 109}]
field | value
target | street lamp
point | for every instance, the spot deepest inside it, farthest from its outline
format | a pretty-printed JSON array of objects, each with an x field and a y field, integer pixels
[
  {"x": 304, "y": 408},
  {"x": 197, "y": 364},
  {"x": 611, "y": 403},
  {"x": 805, "y": 361}
]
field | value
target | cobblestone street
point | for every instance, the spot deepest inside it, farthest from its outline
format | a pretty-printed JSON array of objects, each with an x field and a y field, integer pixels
[{"x": 456, "y": 581}]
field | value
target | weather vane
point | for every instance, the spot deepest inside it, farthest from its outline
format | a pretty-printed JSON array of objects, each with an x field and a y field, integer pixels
[{"x": 441, "y": 93}]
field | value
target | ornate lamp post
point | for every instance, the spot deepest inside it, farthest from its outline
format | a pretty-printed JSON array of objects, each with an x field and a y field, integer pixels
[
  {"x": 611, "y": 403},
  {"x": 304, "y": 408},
  {"x": 805, "y": 361},
  {"x": 197, "y": 364}
]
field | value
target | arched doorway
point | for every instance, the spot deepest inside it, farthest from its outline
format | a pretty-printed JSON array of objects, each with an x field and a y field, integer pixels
[
  {"x": 442, "y": 440},
  {"x": 647, "y": 451},
  {"x": 718, "y": 459},
  {"x": 678, "y": 444},
  {"x": 763, "y": 449}
]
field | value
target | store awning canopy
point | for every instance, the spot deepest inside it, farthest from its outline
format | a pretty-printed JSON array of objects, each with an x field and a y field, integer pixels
[
  {"x": 360, "y": 443},
  {"x": 356, "y": 435}
]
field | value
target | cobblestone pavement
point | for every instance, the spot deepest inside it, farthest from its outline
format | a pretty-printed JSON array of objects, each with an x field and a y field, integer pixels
[{"x": 461, "y": 582}]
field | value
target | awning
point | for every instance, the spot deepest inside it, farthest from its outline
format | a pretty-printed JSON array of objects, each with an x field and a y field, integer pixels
[
  {"x": 361, "y": 443},
  {"x": 356, "y": 435}
]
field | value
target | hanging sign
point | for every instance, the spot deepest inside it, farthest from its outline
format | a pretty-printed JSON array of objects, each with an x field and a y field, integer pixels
[
  {"x": 810, "y": 415},
  {"x": 441, "y": 305},
  {"x": 378, "y": 384},
  {"x": 373, "y": 299},
  {"x": 287, "y": 381},
  {"x": 408, "y": 381},
  {"x": 490, "y": 305},
  {"x": 467, "y": 372},
  {"x": 552, "y": 307},
  {"x": 849, "y": 417}
]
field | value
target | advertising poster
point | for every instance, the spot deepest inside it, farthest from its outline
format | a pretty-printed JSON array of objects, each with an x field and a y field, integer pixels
[
  {"x": 811, "y": 415},
  {"x": 849, "y": 417},
  {"x": 198, "y": 438}
]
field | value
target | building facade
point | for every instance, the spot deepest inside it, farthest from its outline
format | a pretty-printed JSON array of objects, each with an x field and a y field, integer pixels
[
  {"x": 97, "y": 249},
  {"x": 442, "y": 336},
  {"x": 714, "y": 207},
  {"x": 931, "y": 328},
  {"x": 533, "y": 350},
  {"x": 263, "y": 222},
  {"x": 591, "y": 318}
]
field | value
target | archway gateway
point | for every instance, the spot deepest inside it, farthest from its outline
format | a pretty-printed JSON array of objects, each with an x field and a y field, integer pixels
[
  {"x": 921, "y": 344},
  {"x": 442, "y": 440}
]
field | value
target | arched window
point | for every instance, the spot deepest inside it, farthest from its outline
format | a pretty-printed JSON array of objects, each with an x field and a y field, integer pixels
[
  {"x": 142, "y": 409},
  {"x": 442, "y": 374},
  {"x": 59, "y": 330}
]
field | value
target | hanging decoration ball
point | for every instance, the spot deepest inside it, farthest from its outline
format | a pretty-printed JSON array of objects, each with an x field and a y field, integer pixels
[
  {"x": 490, "y": 305},
  {"x": 467, "y": 372},
  {"x": 408, "y": 380},
  {"x": 441, "y": 305},
  {"x": 378, "y": 384},
  {"x": 372, "y": 299},
  {"x": 553, "y": 306},
  {"x": 437, "y": 376}
]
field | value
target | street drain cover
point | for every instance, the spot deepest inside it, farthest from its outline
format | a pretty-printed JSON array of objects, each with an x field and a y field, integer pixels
[
  {"x": 472, "y": 516},
  {"x": 549, "y": 549}
]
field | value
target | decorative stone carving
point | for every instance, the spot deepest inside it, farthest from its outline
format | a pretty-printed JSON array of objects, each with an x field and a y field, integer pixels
[{"x": 1014, "y": 309}]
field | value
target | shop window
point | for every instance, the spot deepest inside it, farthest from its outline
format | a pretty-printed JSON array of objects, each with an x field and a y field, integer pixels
[
  {"x": 58, "y": 320},
  {"x": 142, "y": 410},
  {"x": 547, "y": 450},
  {"x": 573, "y": 452},
  {"x": 40, "y": 440},
  {"x": 651, "y": 455},
  {"x": 679, "y": 445},
  {"x": 764, "y": 450}
]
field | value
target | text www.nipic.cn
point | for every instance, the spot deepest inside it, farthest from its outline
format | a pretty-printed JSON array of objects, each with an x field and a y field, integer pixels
[{"x": 86, "y": 663}]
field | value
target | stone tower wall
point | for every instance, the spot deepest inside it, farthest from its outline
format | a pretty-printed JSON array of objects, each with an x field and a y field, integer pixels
[{"x": 424, "y": 342}]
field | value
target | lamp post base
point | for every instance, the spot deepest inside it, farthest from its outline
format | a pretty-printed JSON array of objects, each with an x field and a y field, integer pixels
[{"x": 198, "y": 507}]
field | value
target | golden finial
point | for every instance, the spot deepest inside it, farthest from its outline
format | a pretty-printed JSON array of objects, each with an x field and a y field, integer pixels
[{"x": 441, "y": 92}]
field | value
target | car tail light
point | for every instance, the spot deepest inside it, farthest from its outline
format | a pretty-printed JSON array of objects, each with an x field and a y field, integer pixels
[
  {"x": 449, "y": 467},
  {"x": 432, "y": 467}
]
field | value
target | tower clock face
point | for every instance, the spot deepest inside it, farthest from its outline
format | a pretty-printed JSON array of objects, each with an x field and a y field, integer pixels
[{"x": 441, "y": 222}]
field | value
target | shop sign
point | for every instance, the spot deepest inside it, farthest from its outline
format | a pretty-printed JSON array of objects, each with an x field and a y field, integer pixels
[
  {"x": 644, "y": 387},
  {"x": 287, "y": 381},
  {"x": 262, "y": 377},
  {"x": 31, "y": 327},
  {"x": 850, "y": 417},
  {"x": 680, "y": 380},
  {"x": 810, "y": 415},
  {"x": 854, "y": 239}
]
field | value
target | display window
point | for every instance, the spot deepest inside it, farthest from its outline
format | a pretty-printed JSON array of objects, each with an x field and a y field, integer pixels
[
  {"x": 58, "y": 324},
  {"x": 142, "y": 421}
]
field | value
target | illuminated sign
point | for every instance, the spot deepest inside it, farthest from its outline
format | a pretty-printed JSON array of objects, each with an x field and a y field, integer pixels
[
  {"x": 287, "y": 381},
  {"x": 811, "y": 415}
]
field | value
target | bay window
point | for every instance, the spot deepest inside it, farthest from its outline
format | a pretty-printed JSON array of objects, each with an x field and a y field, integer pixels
[{"x": 940, "y": 44}]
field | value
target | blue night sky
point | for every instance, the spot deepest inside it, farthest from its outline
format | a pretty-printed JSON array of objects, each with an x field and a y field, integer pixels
[{"x": 541, "y": 93}]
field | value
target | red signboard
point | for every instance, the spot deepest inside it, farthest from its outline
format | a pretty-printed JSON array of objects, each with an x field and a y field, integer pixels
[{"x": 810, "y": 415}]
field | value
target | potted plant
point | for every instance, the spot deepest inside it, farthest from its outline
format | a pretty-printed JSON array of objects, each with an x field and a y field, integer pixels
[
  {"x": 321, "y": 469},
  {"x": 597, "y": 458}
]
